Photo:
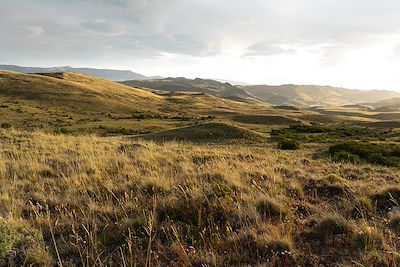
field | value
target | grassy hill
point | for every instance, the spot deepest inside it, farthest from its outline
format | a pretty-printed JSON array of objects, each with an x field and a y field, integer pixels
[
  {"x": 392, "y": 104},
  {"x": 74, "y": 91},
  {"x": 207, "y": 133},
  {"x": 75, "y": 103}
]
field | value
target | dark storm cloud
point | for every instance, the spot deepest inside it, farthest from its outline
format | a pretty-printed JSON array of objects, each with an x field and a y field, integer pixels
[{"x": 200, "y": 28}]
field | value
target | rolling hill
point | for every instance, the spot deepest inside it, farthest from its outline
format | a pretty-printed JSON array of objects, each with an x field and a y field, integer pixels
[
  {"x": 73, "y": 91},
  {"x": 74, "y": 102},
  {"x": 211, "y": 87},
  {"x": 387, "y": 105},
  {"x": 313, "y": 95},
  {"x": 208, "y": 133},
  {"x": 113, "y": 75}
]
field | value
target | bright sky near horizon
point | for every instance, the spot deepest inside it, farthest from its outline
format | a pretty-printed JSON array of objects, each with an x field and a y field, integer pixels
[{"x": 349, "y": 43}]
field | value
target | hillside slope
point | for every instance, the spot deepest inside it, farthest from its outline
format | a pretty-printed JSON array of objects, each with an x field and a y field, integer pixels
[
  {"x": 208, "y": 132},
  {"x": 73, "y": 90},
  {"x": 211, "y": 87},
  {"x": 78, "y": 102},
  {"x": 392, "y": 104}
]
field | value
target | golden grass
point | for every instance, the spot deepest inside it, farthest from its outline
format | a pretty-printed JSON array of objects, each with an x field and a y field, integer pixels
[
  {"x": 82, "y": 104},
  {"x": 93, "y": 201}
]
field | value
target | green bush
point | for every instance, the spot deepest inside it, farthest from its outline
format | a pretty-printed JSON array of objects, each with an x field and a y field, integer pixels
[
  {"x": 301, "y": 128},
  {"x": 344, "y": 156},
  {"x": 328, "y": 133},
  {"x": 288, "y": 144},
  {"x": 373, "y": 153},
  {"x": 5, "y": 125},
  {"x": 20, "y": 243},
  {"x": 63, "y": 131},
  {"x": 8, "y": 237}
]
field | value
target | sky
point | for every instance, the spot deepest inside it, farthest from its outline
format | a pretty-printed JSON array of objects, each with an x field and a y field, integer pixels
[{"x": 349, "y": 43}]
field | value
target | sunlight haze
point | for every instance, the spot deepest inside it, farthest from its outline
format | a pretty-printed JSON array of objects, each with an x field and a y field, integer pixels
[{"x": 353, "y": 44}]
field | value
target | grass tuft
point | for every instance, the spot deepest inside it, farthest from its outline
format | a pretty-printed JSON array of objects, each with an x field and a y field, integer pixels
[{"x": 271, "y": 209}]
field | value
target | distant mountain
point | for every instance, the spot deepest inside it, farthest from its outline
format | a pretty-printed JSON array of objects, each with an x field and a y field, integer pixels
[
  {"x": 211, "y": 87},
  {"x": 314, "y": 95},
  {"x": 108, "y": 74},
  {"x": 231, "y": 82}
]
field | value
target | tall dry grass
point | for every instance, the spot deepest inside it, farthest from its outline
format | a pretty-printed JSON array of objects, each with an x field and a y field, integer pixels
[{"x": 92, "y": 201}]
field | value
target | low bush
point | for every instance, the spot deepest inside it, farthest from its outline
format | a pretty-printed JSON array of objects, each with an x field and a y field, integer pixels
[
  {"x": 302, "y": 128},
  {"x": 21, "y": 245},
  {"x": 332, "y": 225},
  {"x": 63, "y": 131},
  {"x": 5, "y": 125},
  {"x": 288, "y": 144},
  {"x": 372, "y": 153},
  {"x": 344, "y": 156}
]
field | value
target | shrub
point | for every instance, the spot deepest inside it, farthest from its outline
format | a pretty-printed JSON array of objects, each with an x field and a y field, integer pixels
[
  {"x": 372, "y": 153},
  {"x": 333, "y": 178},
  {"x": 302, "y": 128},
  {"x": 288, "y": 144},
  {"x": 332, "y": 225},
  {"x": 344, "y": 156},
  {"x": 5, "y": 125},
  {"x": 25, "y": 243},
  {"x": 63, "y": 131},
  {"x": 8, "y": 237}
]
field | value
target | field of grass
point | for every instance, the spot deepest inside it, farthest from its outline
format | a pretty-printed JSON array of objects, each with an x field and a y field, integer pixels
[
  {"x": 95, "y": 173},
  {"x": 96, "y": 201}
]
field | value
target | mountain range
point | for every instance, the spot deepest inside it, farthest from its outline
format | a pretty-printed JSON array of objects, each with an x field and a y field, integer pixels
[
  {"x": 108, "y": 74},
  {"x": 286, "y": 94},
  {"x": 314, "y": 95},
  {"x": 206, "y": 86}
]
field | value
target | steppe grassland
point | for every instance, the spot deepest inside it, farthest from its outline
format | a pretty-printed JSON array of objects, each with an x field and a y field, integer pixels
[{"x": 87, "y": 200}]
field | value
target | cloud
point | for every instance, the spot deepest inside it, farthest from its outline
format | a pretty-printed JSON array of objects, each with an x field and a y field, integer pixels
[
  {"x": 140, "y": 32},
  {"x": 103, "y": 27},
  {"x": 269, "y": 49},
  {"x": 30, "y": 31}
]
